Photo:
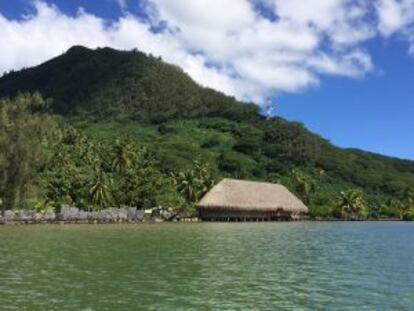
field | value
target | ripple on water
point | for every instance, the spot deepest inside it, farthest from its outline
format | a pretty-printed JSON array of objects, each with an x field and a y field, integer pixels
[{"x": 209, "y": 266}]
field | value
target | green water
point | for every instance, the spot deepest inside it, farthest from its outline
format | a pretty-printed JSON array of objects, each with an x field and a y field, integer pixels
[{"x": 208, "y": 266}]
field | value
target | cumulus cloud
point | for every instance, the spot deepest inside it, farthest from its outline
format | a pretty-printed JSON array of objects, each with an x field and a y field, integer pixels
[
  {"x": 228, "y": 45},
  {"x": 396, "y": 17}
]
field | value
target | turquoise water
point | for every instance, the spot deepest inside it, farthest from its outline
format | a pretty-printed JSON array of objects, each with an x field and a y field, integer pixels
[{"x": 208, "y": 266}]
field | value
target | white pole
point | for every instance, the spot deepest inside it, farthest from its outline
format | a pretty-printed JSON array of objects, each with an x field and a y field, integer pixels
[{"x": 269, "y": 108}]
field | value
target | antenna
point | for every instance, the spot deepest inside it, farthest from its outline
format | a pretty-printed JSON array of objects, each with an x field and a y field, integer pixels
[{"x": 269, "y": 105}]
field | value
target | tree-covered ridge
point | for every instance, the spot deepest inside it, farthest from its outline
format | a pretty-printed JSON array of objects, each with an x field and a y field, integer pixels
[
  {"x": 109, "y": 83},
  {"x": 311, "y": 167},
  {"x": 117, "y": 104}
]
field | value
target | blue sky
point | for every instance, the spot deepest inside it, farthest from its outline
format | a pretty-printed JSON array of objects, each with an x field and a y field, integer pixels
[
  {"x": 345, "y": 68},
  {"x": 374, "y": 113}
]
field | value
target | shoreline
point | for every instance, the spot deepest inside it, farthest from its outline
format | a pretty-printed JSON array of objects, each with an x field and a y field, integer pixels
[
  {"x": 151, "y": 221},
  {"x": 131, "y": 215}
]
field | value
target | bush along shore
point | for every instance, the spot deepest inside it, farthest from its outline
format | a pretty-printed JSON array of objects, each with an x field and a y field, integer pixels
[{"x": 73, "y": 215}]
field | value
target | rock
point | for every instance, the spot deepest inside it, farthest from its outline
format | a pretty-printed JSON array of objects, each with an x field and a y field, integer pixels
[
  {"x": 123, "y": 214},
  {"x": 132, "y": 213},
  {"x": 139, "y": 215},
  {"x": 92, "y": 216},
  {"x": 9, "y": 215},
  {"x": 49, "y": 215},
  {"x": 156, "y": 211},
  {"x": 114, "y": 214},
  {"x": 166, "y": 214},
  {"x": 111, "y": 214},
  {"x": 69, "y": 213},
  {"x": 83, "y": 215},
  {"x": 38, "y": 217},
  {"x": 25, "y": 214}
]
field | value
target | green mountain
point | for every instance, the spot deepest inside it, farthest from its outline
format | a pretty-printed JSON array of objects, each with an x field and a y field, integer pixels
[
  {"x": 106, "y": 82},
  {"x": 111, "y": 95}
]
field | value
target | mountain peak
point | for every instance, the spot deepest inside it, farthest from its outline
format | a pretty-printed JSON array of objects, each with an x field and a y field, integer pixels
[{"x": 109, "y": 83}]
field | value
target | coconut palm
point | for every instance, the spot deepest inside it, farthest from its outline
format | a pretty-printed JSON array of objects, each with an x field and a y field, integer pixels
[
  {"x": 304, "y": 185},
  {"x": 122, "y": 157},
  {"x": 402, "y": 207},
  {"x": 352, "y": 204},
  {"x": 408, "y": 197},
  {"x": 194, "y": 183},
  {"x": 204, "y": 177},
  {"x": 99, "y": 191},
  {"x": 375, "y": 210},
  {"x": 186, "y": 185},
  {"x": 88, "y": 152}
]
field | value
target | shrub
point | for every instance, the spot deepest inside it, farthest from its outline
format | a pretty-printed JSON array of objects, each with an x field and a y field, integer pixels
[{"x": 166, "y": 129}]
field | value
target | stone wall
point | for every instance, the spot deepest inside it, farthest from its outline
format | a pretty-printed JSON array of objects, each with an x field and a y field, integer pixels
[{"x": 68, "y": 214}]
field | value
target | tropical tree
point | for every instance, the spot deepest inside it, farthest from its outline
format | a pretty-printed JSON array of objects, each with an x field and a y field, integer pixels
[
  {"x": 137, "y": 187},
  {"x": 401, "y": 207},
  {"x": 25, "y": 130},
  {"x": 352, "y": 204},
  {"x": 408, "y": 196},
  {"x": 99, "y": 191},
  {"x": 304, "y": 185},
  {"x": 121, "y": 157},
  {"x": 195, "y": 182},
  {"x": 375, "y": 210}
]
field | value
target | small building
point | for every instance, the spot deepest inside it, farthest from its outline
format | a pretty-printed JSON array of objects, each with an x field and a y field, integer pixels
[{"x": 242, "y": 200}]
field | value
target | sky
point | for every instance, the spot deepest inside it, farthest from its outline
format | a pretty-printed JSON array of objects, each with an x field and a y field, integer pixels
[{"x": 344, "y": 68}]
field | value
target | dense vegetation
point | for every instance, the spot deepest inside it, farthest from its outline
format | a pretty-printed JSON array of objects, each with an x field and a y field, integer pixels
[
  {"x": 25, "y": 133},
  {"x": 109, "y": 83},
  {"x": 136, "y": 131}
]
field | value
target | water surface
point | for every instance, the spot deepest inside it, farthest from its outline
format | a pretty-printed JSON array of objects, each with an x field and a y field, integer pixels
[{"x": 208, "y": 266}]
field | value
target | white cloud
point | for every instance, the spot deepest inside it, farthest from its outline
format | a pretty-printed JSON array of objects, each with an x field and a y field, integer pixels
[
  {"x": 34, "y": 40},
  {"x": 271, "y": 54},
  {"x": 342, "y": 21},
  {"x": 394, "y": 15},
  {"x": 353, "y": 64},
  {"x": 397, "y": 17},
  {"x": 252, "y": 55}
]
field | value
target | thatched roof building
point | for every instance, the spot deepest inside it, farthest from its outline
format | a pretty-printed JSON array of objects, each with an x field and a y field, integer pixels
[{"x": 242, "y": 200}]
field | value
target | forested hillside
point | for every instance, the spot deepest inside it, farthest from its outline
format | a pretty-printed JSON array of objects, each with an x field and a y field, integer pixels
[
  {"x": 144, "y": 133},
  {"x": 109, "y": 83}
]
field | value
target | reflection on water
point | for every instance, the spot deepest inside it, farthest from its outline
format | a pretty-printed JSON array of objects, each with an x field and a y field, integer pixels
[{"x": 208, "y": 266}]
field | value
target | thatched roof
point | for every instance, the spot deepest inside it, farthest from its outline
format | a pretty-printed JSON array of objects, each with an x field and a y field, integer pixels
[{"x": 243, "y": 195}]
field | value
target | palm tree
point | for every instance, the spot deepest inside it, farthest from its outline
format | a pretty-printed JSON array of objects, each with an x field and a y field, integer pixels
[
  {"x": 375, "y": 210},
  {"x": 88, "y": 152},
  {"x": 194, "y": 183},
  {"x": 304, "y": 185},
  {"x": 122, "y": 158},
  {"x": 352, "y": 204},
  {"x": 99, "y": 191},
  {"x": 204, "y": 177},
  {"x": 186, "y": 184},
  {"x": 402, "y": 207},
  {"x": 408, "y": 197}
]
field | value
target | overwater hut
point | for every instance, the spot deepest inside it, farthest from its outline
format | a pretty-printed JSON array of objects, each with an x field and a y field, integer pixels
[{"x": 242, "y": 200}]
